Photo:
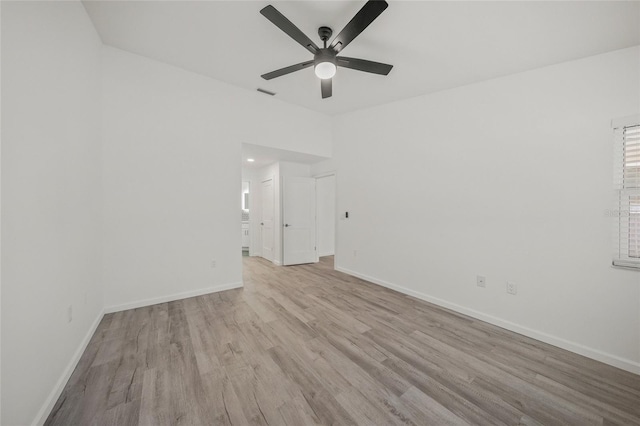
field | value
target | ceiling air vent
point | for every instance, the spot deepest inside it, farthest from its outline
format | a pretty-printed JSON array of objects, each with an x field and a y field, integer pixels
[{"x": 265, "y": 92}]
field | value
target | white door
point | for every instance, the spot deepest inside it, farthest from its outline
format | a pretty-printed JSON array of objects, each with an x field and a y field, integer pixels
[
  {"x": 326, "y": 217},
  {"x": 299, "y": 220},
  {"x": 266, "y": 219}
]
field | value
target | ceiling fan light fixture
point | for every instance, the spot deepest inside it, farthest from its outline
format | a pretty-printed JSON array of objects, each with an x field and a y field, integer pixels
[
  {"x": 325, "y": 58},
  {"x": 325, "y": 70}
]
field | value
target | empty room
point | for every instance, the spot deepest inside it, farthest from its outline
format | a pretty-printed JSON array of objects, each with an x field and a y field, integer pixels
[{"x": 320, "y": 213}]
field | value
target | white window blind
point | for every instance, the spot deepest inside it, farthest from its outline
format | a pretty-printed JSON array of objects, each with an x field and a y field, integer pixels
[{"x": 627, "y": 185}]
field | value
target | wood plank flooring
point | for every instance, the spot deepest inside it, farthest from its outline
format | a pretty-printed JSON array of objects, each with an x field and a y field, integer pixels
[{"x": 309, "y": 345}]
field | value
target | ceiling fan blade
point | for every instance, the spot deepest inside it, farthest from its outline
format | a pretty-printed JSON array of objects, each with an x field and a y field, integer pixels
[
  {"x": 280, "y": 21},
  {"x": 287, "y": 70},
  {"x": 365, "y": 16},
  {"x": 363, "y": 65},
  {"x": 326, "y": 87}
]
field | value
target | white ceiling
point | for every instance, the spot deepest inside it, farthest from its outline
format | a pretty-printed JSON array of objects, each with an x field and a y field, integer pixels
[
  {"x": 264, "y": 156},
  {"x": 432, "y": 45}
]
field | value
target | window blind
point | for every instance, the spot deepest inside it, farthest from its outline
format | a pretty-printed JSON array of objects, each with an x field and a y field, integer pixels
[{"x": 627, "y": 184}]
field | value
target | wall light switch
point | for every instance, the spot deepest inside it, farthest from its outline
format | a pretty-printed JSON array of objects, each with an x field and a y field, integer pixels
[{"x": 481, "y": 281}]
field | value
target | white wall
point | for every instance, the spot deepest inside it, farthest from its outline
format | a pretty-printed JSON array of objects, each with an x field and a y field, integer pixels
[
  {"x": 326, "y": 214},
  {"x": 509, "y": 179},
  {"x": 0, "y": 218},
  {"x": 172, "y": 170},
  {"x": 323, "y": 167},
  {"x": 51, "y": 203},
  {"x": 289, "y": 168}
]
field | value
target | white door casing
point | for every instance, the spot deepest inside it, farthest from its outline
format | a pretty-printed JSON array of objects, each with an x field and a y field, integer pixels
[
  {"x": 299, "y": 220},
  {"x": 267, "y": 219},
  {"x": 326, "y": 216}
]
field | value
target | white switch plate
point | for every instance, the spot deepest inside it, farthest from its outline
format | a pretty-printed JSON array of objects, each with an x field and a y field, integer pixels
[{"x": 512, "y": 288}]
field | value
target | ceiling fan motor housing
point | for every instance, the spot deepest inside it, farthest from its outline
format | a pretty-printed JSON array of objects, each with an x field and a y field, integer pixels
[{"x": 325, "y": 55}]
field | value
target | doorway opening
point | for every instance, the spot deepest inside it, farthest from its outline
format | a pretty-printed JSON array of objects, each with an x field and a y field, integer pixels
[
  {"x": 326, "y": 213},
  {"x": 280, "y": 207},
  {"x": 246, "y": 238},
  {"x": 267, "y": 220}
]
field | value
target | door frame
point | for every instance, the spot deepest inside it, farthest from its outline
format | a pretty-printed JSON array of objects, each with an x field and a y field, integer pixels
[
  {"x": 335, "y": 212},
  {"x": 251, "y": 249},
  {"x": 274, "y": 224}
]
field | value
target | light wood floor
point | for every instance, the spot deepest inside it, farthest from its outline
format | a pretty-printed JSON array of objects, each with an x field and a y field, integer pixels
[{"x": 309, "y": 345}]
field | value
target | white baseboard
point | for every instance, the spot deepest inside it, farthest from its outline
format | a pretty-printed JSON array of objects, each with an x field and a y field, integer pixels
[
  {"x": 171, "y": 297},
  {"x": 51, "y": 400},
  {"x": 44, "y": 412},
  {"x": 277, "y": 262},
  {"x": 614, "y": 360}
]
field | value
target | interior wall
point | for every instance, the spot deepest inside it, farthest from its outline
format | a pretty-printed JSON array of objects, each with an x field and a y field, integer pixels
[
  {"x": 289, "y": 168},
  {"x": 0, "y": 217},
  {"x": 510, "y": 179},
  {"x": 170, "y": 183},
  {"x": 323, "y": 167},
  {"x": 326, "y": 214},
  {"x": 51, "y": 202}
]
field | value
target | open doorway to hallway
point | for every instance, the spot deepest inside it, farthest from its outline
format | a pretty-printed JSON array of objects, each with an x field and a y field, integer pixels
[
  {"x": 282, "y": 224},
  {"x": 326, "y": 213},
  {"x": 246, "y": 239}
]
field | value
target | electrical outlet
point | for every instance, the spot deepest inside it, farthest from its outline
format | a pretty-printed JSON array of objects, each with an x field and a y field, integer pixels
[
  {"x": 213, "y": 263},
  {"x": 512, "y": 288},
  {"x": 481, "y": 281},
  {"x": 70, "y": 313}
]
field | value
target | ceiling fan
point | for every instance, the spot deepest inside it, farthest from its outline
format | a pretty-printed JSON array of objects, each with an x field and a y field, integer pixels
[{"x": 326, "y": 59}]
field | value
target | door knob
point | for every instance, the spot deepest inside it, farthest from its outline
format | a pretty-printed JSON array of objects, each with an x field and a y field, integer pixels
[
  {"x": 262, "y": 223},
  {"x": 286, "y": 225}
]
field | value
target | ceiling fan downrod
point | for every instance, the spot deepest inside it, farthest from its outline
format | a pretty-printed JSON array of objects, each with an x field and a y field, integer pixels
[{"x": 325, "y": 34}]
